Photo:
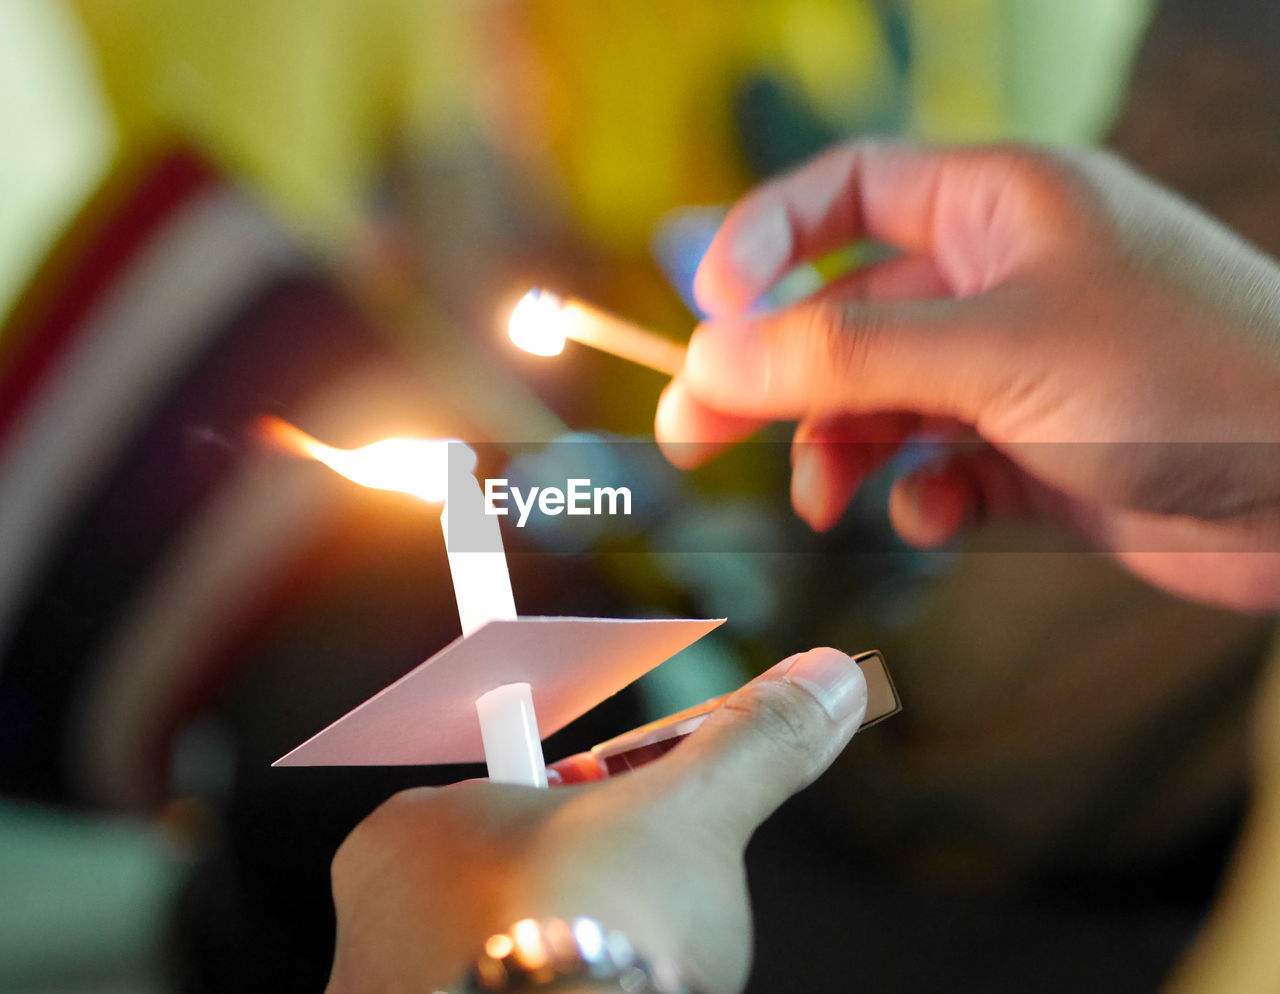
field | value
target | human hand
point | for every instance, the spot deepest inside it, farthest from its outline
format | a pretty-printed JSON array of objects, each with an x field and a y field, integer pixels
[
  {"x": 656, "y": 853},
  {"x": 1115, "y": 352}
]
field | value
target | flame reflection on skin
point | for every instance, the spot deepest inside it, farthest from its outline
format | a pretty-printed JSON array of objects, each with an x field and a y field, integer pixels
[{"x": 416, "y": 466}]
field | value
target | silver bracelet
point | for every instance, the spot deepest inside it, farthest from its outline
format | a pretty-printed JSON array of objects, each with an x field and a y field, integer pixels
[{"x": 556, "y": 953}]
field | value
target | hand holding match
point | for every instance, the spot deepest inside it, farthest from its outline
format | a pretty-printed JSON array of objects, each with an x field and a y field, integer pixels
[{"x": 542, "y": 321}]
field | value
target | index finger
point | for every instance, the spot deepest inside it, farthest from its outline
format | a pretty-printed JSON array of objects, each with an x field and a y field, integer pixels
[{"x": 933, "y": 202}]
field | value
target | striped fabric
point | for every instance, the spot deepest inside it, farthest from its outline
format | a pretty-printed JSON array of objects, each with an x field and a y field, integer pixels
[{"x": 147, "y": 541}]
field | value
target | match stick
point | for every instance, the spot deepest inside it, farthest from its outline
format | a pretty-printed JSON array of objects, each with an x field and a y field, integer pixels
[{"x": 543, "y": 320}]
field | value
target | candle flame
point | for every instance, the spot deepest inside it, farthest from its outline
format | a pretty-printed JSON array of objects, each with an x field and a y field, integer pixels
[
  {"x": 537, "y": 323},
  {"x": 416, "y": 466}
]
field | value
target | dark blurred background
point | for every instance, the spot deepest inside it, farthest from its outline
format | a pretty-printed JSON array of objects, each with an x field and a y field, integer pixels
[{"x": 215, "y": 210}]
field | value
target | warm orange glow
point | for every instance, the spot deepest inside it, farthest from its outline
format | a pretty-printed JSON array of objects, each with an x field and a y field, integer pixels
[
  {"x": 416, "y": 466},
  {"x": 542, "y": 321},
  {"x": 499, "y": 946},
  {"x": 537, "y": 323},
  {"x": 528, "y": 941}
]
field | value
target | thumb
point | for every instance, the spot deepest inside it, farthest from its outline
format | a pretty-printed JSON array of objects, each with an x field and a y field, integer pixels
[
  {"x": 768, "y": 740},
  {"x": 831, "y": 355}
]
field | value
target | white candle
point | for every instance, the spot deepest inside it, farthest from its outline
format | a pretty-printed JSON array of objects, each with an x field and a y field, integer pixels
[
  {"x": 509, "y": 727},
  {"x": 482, "y": 588},
  {"x": 477, "y": 559},
  {"x": 434, "y": 470}
]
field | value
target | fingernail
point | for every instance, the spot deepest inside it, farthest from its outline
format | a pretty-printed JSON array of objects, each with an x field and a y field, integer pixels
[
  {"x": 780, "y": 669},
  {"x": 553, "y": 776},
  {"x": 834, "y": 680},
  {"x": 761, "y": 246}
]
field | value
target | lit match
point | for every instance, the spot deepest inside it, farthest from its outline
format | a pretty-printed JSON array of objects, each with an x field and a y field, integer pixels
[{"x": 543, "y": 321}]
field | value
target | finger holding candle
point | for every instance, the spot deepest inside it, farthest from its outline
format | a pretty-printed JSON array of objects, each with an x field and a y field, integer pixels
[{"x": 542, "y": 321}]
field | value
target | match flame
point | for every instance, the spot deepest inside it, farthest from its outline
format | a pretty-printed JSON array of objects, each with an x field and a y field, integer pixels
[
  {"x": 537, "y": 323},
  {"x": 416, "y": 466}
]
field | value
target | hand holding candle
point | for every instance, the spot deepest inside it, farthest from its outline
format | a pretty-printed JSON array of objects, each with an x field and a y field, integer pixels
[
  {"x": 657, "y": 853},
  {"x": 542, "y": 321}
]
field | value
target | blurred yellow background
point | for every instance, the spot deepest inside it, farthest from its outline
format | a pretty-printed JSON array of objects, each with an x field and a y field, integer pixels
[{"x": 615, "y": 111}]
